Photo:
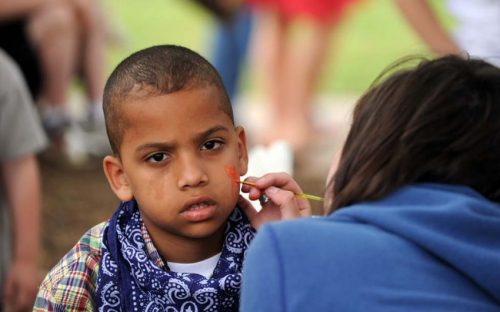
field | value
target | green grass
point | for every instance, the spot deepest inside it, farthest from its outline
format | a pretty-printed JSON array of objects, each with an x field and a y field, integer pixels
[
  {"x": 152, "y": 22},
  {"x": 373, "y": 36}
]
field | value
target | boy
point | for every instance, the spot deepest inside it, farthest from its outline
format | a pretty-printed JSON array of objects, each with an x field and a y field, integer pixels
[{"x": 176, "y": 241}]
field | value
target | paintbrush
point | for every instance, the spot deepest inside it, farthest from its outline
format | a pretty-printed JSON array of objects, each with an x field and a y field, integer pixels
[{"x": 302, "y": 195}]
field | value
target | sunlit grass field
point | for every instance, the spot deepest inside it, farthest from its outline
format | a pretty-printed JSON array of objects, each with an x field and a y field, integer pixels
[{"x": 372, "y": 36}]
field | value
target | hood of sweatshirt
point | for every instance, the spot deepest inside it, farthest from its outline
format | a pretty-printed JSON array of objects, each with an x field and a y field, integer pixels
[{"x": 454, "y": 223}]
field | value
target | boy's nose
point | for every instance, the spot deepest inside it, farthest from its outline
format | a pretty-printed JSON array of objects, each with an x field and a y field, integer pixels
[{"x": 191, "y": 173}]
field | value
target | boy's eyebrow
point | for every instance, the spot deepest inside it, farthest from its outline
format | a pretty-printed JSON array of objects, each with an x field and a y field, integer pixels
[
  {"x": 156, "y": 145},
  {"x": 208, "y": 132},
  {"x": 169, "y": 146}
]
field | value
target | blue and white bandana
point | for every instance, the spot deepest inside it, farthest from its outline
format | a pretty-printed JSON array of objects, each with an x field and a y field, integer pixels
[{"x": 128, "y": 280}]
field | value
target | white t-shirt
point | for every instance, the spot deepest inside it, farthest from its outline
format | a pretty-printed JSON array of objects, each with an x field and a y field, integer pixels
[{"x": 204, "y": 267}]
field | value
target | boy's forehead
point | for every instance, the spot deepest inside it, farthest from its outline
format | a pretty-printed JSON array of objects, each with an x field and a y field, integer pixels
[
  {"x": 195, "y": 107},
  {"x": 142, "y": 94}
]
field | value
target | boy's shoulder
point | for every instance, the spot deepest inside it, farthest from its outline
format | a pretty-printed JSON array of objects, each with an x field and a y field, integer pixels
[{"x": 71, "y": 283}]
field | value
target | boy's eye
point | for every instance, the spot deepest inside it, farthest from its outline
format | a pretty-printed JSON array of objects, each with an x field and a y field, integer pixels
[
  {"x": 157, "y": 157},
  {"x": 212, "y": 145}
]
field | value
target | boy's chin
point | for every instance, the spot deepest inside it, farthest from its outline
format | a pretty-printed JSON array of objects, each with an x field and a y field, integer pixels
[{"x": 203, "y": 231}]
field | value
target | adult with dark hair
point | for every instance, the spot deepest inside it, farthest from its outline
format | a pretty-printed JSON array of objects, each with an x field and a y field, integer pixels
[{"x": 412, "y": 212}]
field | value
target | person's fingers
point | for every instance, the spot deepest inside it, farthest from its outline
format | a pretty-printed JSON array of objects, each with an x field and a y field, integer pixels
[
  {"x": 247, "y": 187},
  {"x": 254, "y": 192},
  {"x": 304, "y": 207},
  {"x": 285, "y": 200},
  {"x": 21, "y": 286},
  {"x": 280, "y": 180},
  {"x": 247, "y": 208},
  {"x": 8, "y": 290},
  {"x": 24, "y": 300},
  {"x": 286, "y": 189},
  {"x": 264, "y": 200}
]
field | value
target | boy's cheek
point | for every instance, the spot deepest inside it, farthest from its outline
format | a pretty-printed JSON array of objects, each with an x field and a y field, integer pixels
[
  {"x": 235, "y": 191},
  {"x": 233, "y": 179}
]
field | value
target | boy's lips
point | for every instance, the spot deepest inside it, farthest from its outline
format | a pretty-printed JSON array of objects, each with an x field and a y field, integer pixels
[{"x": 199, "y": 208}]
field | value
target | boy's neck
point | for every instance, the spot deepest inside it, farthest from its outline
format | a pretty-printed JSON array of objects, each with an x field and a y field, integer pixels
[{"x": 187, "y": 250}]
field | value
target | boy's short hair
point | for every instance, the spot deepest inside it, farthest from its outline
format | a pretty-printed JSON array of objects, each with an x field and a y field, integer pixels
[
  {"x": 438, "y": 122},
  {"x": 155, "y": 71}
]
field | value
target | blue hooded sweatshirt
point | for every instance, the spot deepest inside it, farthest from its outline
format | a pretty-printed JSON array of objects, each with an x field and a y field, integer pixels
[{"x": 426, "y": 247}]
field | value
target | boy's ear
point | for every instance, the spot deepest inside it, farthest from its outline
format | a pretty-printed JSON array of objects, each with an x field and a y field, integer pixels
[
  {"x": 242, "y": 151},
  {"x": 117, "y": 178}
]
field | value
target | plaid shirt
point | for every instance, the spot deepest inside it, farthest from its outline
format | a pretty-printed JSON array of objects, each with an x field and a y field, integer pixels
[{"x": 70, "y": 285}]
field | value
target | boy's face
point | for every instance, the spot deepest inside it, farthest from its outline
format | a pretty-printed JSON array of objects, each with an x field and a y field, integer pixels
[{"x": 172, "y": 161}]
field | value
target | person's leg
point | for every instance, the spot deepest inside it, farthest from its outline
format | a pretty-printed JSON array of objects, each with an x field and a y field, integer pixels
[
  {"x": 303, "y": 62},
  {"x": 269, "y": 42},
  {"x": 52, "y": 31},
  {"x": 92, "y": 57},
  {"x": 230, "y": 49}
]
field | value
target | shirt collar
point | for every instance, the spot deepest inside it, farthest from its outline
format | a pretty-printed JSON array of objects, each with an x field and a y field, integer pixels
[{"x": 151, "y": 249}]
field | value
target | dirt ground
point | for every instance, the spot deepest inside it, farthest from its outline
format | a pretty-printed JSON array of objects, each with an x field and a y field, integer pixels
[{"x": 75, "y": 198}]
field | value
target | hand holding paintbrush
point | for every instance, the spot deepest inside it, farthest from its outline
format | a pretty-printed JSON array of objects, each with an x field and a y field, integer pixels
[
  {"x": 302, "y": 195},
  {"x": 283, "y": 193},
  {"x": 280, "y": 196}
]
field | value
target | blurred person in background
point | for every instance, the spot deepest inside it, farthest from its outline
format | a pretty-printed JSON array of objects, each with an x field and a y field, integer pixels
[
  {"x": 53, "y": 41},
  {"x": 234, "y": 27},
  {"x": 232, "y": 36},
  {"x": 21, "y": 137},
  {"x": 477, "y": 29},
  {"x": 291, "y": 62}
]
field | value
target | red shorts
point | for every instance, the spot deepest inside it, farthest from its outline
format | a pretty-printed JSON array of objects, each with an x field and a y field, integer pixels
[{"x": 319, "y": 10}]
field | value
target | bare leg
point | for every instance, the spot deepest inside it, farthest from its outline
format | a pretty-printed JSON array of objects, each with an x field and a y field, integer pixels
[
  {"x": 291, "y": 66},
  {"x": 269, "y": 43},
  {"x": 301, "y": 70},
  {"x": 53, "y": 32},
  {"x": 93, "y": 53}
]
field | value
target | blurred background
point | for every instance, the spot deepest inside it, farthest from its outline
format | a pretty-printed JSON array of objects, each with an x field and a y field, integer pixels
[{"x": 371, "y": 35}]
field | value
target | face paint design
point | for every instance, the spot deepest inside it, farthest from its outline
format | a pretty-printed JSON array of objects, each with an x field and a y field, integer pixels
[{"x": 235, "y": 180}]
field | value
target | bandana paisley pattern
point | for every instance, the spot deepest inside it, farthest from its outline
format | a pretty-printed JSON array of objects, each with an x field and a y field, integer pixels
[{"x": 128, "y": 280}]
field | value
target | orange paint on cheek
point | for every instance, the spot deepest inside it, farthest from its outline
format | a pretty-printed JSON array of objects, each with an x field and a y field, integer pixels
[{"x": 235, "y": 185}]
